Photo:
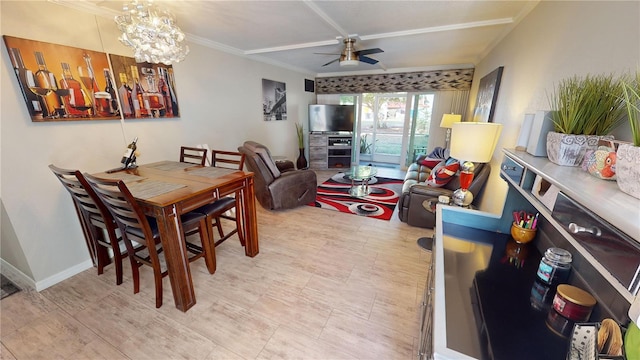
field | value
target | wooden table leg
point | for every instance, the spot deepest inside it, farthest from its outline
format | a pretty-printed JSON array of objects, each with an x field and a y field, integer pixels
[
  {"x": 250, "y": 218},
  {"x": 175, "y": 253}
]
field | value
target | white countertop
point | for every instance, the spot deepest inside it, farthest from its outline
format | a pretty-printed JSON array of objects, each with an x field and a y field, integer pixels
[{"x": 603, "y": 197}]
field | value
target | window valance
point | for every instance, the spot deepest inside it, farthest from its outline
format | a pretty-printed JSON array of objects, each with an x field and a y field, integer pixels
[{"x": 459, "y": 79}]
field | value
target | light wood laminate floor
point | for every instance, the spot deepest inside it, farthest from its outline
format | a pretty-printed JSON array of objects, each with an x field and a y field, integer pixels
[{"x": 325, "y": 285}]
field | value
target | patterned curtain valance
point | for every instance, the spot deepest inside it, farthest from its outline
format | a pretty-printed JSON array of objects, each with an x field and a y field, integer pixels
[{"x": 459, "y": 79}]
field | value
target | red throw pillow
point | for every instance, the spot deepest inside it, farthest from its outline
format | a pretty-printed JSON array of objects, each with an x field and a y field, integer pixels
[
  {"x": 443, "y": 173},
  {"x": 430, "y": 162}
]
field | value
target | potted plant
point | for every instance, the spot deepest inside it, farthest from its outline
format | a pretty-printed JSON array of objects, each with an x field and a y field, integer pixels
[
  {"x": 585, "y": 109},
  {"x": 301, "y": 162},
  {"x": 628, "y": 155}
]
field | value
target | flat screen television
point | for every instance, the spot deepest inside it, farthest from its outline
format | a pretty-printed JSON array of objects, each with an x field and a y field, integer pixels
[{"x": 331, "y": 118}]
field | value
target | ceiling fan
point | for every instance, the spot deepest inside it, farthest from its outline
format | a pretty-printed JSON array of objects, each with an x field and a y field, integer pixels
[{"x": 350, "y": 56}]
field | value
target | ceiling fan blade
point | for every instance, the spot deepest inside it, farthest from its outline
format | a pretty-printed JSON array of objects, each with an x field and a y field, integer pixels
[
  {"x": 369, "y": 51},
  {"x": 331, "y": 62},
  {"x": 326, "y": 54},
  {"x": 367, "y": 60}
]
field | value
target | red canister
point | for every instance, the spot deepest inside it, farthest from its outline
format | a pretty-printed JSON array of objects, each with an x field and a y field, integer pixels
[{"x": 573, "y": 303}]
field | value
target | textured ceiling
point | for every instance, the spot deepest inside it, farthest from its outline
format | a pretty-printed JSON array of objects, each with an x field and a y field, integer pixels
[{"x": 413, "y": 34}]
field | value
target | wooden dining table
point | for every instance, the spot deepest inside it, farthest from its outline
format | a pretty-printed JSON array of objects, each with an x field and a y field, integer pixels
[{"x": 168, "y": 189}]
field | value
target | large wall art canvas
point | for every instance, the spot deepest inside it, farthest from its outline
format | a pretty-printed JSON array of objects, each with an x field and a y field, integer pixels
[
  {"x": 145, "y": 90},
  {"x": 274, "y": 100},
  {"x": 487, "y": 96},
  {"x": 61, "y": 83}
]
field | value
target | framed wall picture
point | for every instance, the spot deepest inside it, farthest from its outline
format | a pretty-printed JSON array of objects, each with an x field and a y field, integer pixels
[
  {"x": 274, "y": 100},
  {"x": 145, "y": 90},
  {"x": 63, "y": 83},
  {"x": 487, "y": 96}
]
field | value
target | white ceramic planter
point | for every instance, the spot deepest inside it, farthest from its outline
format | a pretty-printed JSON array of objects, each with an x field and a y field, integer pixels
[
  {"x": 628, "y": 169},
  {"x": 569, "y": 149}
]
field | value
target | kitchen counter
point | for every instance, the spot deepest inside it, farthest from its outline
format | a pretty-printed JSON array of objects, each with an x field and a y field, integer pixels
[
  {"x": 488, "y": 282},
  {"x": 485, "y": 302}
]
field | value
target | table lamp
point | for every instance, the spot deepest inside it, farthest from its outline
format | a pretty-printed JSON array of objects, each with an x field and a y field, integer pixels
[
  {"x": 471, "y": 142},
  {"x": 447, "y": 121}
]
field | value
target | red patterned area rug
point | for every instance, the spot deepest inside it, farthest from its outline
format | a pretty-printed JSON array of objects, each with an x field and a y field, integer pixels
[{"x": 333, "y": 194}]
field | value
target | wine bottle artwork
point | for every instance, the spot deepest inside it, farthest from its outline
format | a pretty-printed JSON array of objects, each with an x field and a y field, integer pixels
[
  {"x": 101, "y": 99},
  {"x": 153, "y": 99},
  {"x": 125, "y": 96},
  {"x": 111, "y": 90},
  {"x": 46, "y": 87},
  {"x": 27, "y": 81},
  {"x": 61, "y": 83},
  {"x": 163, "y": 89},
  {"x": 76, "y": 102},
  {"x": 172, "y": 92},
  {"x": 140, "y": 108}
]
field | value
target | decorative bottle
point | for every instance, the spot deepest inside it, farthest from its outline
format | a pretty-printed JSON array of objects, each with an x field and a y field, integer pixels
[
  {"x": 27, "y": 81},
  {"x": 47, "y": 87},
  {"x": 129, "y": 156},
  {"x": 76, "y": 102}
]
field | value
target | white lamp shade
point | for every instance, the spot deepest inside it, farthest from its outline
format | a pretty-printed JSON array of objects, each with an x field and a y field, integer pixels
[
  {"x": 349, "y": 63},
  {"x": 448, "y": 120},
  {"x": 474, "y": 141}
]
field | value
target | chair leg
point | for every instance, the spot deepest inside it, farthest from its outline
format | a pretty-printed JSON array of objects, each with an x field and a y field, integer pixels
[
  {"x": 208, "y": 245},
  {"x": 117, "y": 258},
  {"x": 157, "y": 274},
  {"x": 239, "y": 225},
  {"x": 101, "y": 253},
  {"x": 135, "y": 272},
  {"x": 219, "y": 226}
]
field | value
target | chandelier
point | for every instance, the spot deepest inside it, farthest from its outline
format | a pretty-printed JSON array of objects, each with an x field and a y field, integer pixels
[{"x": 151, "y": 32}]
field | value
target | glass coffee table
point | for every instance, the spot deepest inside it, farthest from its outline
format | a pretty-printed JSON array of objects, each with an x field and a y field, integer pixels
[{"x": 360, "y": 177}]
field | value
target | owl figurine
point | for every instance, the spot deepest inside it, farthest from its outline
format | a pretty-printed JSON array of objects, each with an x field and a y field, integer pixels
[{"x": 601, "y": 163}]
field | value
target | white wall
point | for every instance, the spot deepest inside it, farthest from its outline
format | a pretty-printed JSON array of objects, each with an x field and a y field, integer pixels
[
  {"x": 220, "y": 97},
  {"x": 556, "y": 40}
]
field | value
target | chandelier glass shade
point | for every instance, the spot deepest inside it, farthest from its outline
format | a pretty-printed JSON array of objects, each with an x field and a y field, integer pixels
[{"x": 152, "y": 33}]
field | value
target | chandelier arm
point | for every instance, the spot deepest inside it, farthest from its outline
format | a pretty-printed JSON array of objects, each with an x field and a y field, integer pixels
[{"x": 152, "y": 33}]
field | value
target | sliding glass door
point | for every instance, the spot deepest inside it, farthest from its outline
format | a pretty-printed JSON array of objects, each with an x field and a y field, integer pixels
[
  {"x": 420, "y": 122},
  {"x": 391, "y": 129}
]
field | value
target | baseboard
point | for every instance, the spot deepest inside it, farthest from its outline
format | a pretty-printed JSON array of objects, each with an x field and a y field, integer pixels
[
  {"x": 16, "y": 276},
  {"x": 21, "y": 279}
]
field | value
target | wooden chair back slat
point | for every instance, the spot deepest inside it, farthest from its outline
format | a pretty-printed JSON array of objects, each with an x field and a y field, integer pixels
[{"x": 193, "y": 155}]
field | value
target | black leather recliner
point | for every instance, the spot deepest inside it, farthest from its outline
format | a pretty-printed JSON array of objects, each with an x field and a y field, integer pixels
[{"x": 277, "y": 184}]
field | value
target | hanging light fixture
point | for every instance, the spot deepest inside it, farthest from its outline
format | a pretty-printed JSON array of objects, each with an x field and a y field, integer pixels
[{"x": 151, "y": 32}]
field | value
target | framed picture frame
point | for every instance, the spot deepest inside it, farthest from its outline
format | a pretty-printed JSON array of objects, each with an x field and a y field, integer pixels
[
  {"x": 487, "y": 96},
  {"x": 274, "y": 100},
  {"x": 146, "y": 90},
  {"x": 64, "y": 83}
]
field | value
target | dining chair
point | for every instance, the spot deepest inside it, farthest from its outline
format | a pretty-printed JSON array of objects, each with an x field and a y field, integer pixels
[
  {"x": 215, "y": 211},
  {"x": 137, "y": 228},
  {"x": 193, "y": 155},
  {"x": 227, "y": 159},
  {"x": 95, "y": 220}
]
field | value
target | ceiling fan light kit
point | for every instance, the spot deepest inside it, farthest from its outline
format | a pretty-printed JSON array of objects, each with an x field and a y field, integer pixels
[{"x": 351, "y": 57}]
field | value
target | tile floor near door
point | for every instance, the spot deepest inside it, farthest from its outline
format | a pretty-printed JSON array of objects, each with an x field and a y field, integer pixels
[{"x": 325, "y": 285}]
